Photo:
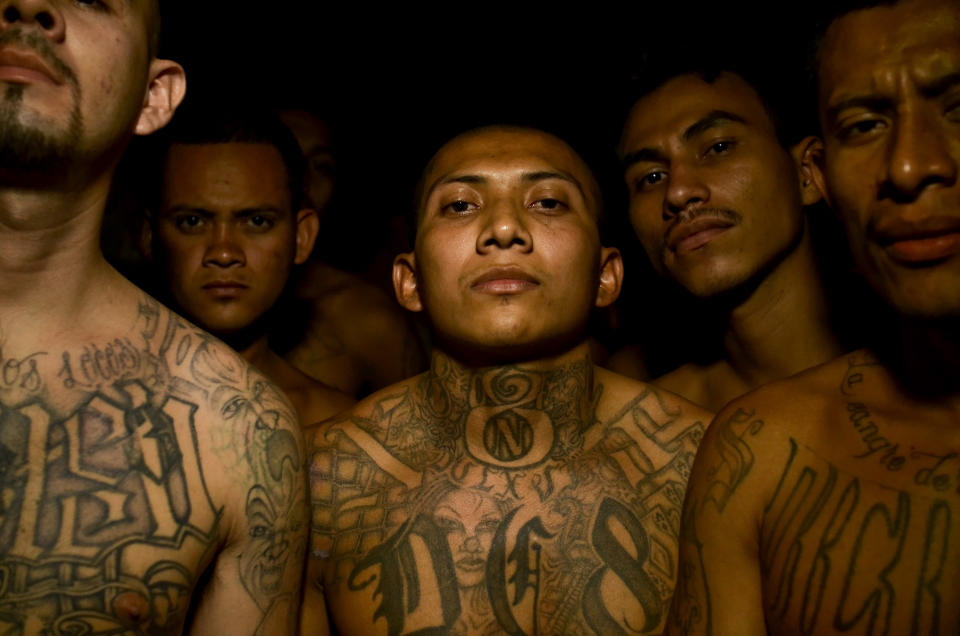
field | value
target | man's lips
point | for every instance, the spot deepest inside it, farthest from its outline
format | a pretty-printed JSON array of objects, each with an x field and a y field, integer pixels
[
  {"x": 504, "y": 281},
  {"x": 694, "y": 234},
  {"x": 224, "y": 288},
  {"x": 924, "y": 241},
  {"x": 23, "y": 66}
]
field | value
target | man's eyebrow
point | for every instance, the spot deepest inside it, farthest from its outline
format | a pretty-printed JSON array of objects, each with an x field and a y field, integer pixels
[
  {"x": 705, "y": 123},
  {"x": 710, "y": 120},
  {"x": 258, "y": 209},
  {"x": 192, "y": 209},
  {"x": 456, "y": 178},
  {"x": 940, "y": 85},
  {"x": 644, "y": 154},
  {"x": 542, "y": 175},
  {"x": 869, "y": 102}
]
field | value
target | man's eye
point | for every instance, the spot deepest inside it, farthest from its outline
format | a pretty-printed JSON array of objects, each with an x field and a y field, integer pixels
[
  {"x": 189, "y": 223},
  {"x": 93, "y": 4},
  {"x": 720, "y": 148},
  {"x": 649, "y": 180},
  {"x": 860, "y": 128},
  {"x": 260, "y": 222},
  {"x": 549, "y": 204},
  {"x": 459, "y": 207}
]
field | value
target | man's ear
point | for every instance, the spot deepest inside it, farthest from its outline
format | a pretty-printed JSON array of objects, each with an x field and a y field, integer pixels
[
  {"x": 611, "y": 276},
  {"x": 405, "y": 282},
  {"x": 145, "y": 235},
  {"x": 308, "y": 224},
  {"x": 165, "y": 91},
  {"x": 806, "y": 155}
]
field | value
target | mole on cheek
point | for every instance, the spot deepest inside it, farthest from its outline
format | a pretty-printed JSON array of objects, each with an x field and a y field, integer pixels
[{"x": 131, "y": 608}]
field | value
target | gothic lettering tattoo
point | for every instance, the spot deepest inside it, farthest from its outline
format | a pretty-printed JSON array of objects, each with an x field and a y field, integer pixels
[
  {"x": 841, "y": 551},
  {"x": 82, "y": 495},
  {"x": 491, "y": 502},
  {"x": 106, "y": 517}
]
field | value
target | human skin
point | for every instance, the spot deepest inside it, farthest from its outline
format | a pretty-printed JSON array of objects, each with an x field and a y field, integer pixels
[
  {"x": 513, "y": 449},
  {"x": 131, "y": 442},
  {"x": 718, "y": 202},
  {"x": 229, "y": 239},
  {"x": 832, "y": 499}
]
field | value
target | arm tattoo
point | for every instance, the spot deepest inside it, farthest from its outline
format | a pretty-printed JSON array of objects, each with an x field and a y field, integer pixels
[{"x": 495, "y": 493}]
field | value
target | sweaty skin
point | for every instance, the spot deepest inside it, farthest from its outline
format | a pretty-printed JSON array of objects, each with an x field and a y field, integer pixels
[
  {"x": 830, "y": 502},
  {"x": 514, "y": 487},
  {"x": 718, "y": 201},
  {"x": 504, "y": 499},
  {"x": 151, "y": 482}
]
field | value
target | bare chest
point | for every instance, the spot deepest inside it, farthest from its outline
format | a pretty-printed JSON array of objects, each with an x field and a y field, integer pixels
[
  {"x": 105, "y": 519},
  {"x": 520, "y": 530}
]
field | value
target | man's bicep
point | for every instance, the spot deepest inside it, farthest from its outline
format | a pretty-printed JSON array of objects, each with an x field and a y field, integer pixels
[
  {"x": 257, "y": 577},
  {"x": 719, "y": 584}
]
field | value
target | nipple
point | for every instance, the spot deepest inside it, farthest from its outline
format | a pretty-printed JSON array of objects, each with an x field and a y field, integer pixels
[{"x": 131, "y": 608}]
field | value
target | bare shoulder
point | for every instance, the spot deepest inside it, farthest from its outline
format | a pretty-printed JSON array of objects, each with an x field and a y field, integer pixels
[
  {"x": 620, "y": 391},
  {"x": 314, "y": 401},
  {"x": 142, "y": 452},
  {"x": 689, "y": 380}
]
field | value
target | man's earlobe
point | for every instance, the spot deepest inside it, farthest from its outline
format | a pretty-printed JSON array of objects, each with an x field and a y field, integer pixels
[
  {"x": 165, "y": 91},
  {"x": 405, "y": 282},
  {"x": 807, "y": 155},
  {"x": 308, "y": 224},
  {"x": 611, "y": 276}
]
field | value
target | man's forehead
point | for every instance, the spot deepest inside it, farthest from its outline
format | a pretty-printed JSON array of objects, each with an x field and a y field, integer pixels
[
  {"x": 864, "y": 46},
  {"x": 506, "y": 154},
  {"x": 681, "y": 102}
]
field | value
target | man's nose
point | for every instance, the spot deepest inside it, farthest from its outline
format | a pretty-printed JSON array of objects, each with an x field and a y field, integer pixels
[
  {"x": 504, "y": 227},
  {"x": 685, "y": 189},
  {"x": 919, "y": 156},
  {"x": 45, "y": 14},
  {"x": 224, "y": 250}
]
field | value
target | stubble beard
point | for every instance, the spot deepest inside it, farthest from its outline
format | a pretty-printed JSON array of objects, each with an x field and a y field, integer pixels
[{"x": 35, "y": 148}]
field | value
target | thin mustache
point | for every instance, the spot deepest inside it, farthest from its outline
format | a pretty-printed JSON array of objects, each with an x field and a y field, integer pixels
[
  {"x": 41, "y": 46},
  {"x": 690, "y": 214}
]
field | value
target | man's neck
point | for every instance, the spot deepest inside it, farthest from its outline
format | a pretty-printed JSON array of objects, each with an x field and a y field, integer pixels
[
  {"x": 50, "y": 255},
  {"x": 783, "y": 327},
  {"x": 561, "y": 385},
  {"x": 926, "y": 359}
]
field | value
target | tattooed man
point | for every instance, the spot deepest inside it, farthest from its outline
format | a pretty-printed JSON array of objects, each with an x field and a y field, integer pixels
[
  {"x": 830, "y": 502},
  {"x": 717, "y": 183},
  {"x": 137, "y": 453},
  {"x": 226, "y": 233},
  {"x": 514, "y": 487}
]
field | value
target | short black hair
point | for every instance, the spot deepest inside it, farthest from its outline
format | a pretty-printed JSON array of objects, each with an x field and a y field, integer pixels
[
  {"x": 783, "y": 92},
  {"x": 210, "y": 124}
]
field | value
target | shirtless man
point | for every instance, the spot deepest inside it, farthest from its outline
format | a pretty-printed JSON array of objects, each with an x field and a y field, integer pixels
[
  {"x": 228, "y": 232},
  {"x": 137, "y": 454},
  {"x": 831, "y": 501},
  {"x": 357, "y": 338},
  {"x": 717, "y": 188},
  {"x": 514, "y": 487}
]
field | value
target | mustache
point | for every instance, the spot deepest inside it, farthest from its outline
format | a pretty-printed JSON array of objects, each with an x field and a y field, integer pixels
[
  {"x": 41, "y": 46},
  {"x": 689, "y": 214}
]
